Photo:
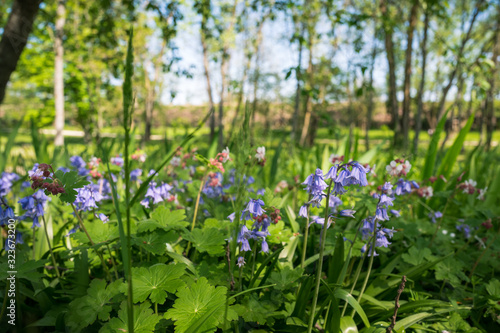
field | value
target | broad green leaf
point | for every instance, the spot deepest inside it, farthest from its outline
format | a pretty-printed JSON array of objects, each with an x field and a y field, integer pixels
[
  {"x": 144, "y": 320},
  {"x": 96, "y": 304},
  {"x": 98, "y": 231},
  {"x": 416, "y": 256},
  {"x": 285, "y": 278},
  {"x": 155, "y": 242},
  {"x": 209, "y": 240},
  {"x": 163, "y": 218},
  {"x": 254, "y": 310},
  {"x": 346, "y": 296},
  {"x": 193, "y": 303},
  {"x": 493, "y": 288},
  {"x": 154, "y": 282},
  {"x": 347, "y": 325}
]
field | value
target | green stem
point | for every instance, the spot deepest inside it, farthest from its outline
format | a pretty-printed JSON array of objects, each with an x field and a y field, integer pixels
[
  {"x": 50, "y": 248},
  {"x": 113, "y": 262},
  {"x": 34, "y": 241},
  {"x": 440, "y": 220},
  {"x": 254, "y": 254},
  {"x": 196, "y": 208},
  {"x": 481, "y": 256},
  {"x": 320, "y": 261},
  {"x": 306, "y": 234},
  {"x": 370, "y": 264}
]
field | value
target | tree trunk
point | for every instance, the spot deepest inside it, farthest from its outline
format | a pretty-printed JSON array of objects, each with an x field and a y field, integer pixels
[
  {"x": 370, "y": 95},
  {"x": 420, "y": 97},
  {"x": 206, "y": 66},
  {"x": 446, "y": 89},
  {"x": 310, "y": 78},
  {"x": 59, "y": 73},
  {"x": 392, "y": 101},
  {"x": 14, "y": 38},
  {"x": 295, "y": 120},
  {"x": 407, "y": 82},
  {"x": 490, "y": 97}
]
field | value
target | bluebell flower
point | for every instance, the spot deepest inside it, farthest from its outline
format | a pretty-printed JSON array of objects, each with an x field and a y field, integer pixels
[
  {"x": 414, "y": 184},
  {"x": 465, "y": 229},
  {"x": 315, "y": 183},
  {"x": 381, "y": 240},
  {"x": 371, "y": 252},
  {"x": 79, "y": 164},
  {"x": 135, "y": 174},
  {"x": 25, "y": 185},
  {"x": 243, "y": 237},
  {"x": 261, "y": 191},
  {"x": 358, "y": 174},
  {"x": 396, "y": 213},
  {"x": 347, "y": 213},
  {"x": 87, "y": 198},
  {"x": 343, "y": 177},
  {"x": 103, "y": 218},
  {"x": 403, "y": 187},
  {"x": 64, "y": 169},
  {"x": 118, "y": 160},
  {"x": 334, "y": 201},
  {"x": 435, "y": 215},
  {"x": 381, "y": 214},
  {"x": 264, "y": 246},
  {"x": 254, "y": 207},
  {"x": 367, "y": 228},
  {"x": 332, "y": 173},
  {"x": 6, "y": 182},
  {"x": 387, "y": 187},
  {"x": 231, "y": 217},
  {"x": 303, "y": 211},
  {"x": 34, "y": 206},
  {"x": 389, "y": 232},
  {"x": 72, "y": 231},
  {"x": 385, "y": 201},
  {"x": 19, "y": 240}
]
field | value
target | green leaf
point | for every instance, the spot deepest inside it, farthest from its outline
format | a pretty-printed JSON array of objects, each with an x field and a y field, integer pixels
[
  {"x": 430, "y": 158},
  {"x": 156, "y": 242},
  {"x": 8, "y": 145},
  {"x": 154, "y": 282},
  {"x": 208, "y": 240},
  {"x": 85, "y": 310},
  {"x": 285, "y": 278},
  {"x": 144, "y": 320},
  {"x": 24, "y": 269},
  {"x": 451, "y": 155},
  {"x": 346, "y": 296},
  {"x": 254, "y": 310},
  {"x": 163, "y": 218},
  {"x": 493, "y": 288},
  {"x": 193, "y": 303},
  {"x": 347, "y": 325},
  {"x": 98, "y": 231},
  {"x": 416, "y": 256},
  {"x": 70, "y": 181}
]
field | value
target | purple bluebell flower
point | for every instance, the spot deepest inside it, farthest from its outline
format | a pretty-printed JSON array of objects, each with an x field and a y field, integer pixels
[
  {"x": 315, "y": 183},
  {"x": 396, "y": 213},
  {"x": 243, "y": 237},
  {"x": 343, "y": 177},
  {"x": 19, "y": 240},
  {"x": 381, "y": 240},
  {"x": 385, "y": 201},
  {"x": 64, "y": 169},
  {"x": 332, "y": 173},
  {"x": 135, "y": 174},
  {"x": 403, "y": 187},
  {"x": 72, "y": 231},
  {"x": 371, "y": 252},
  {"x": 387, "y": 187},
  {"x": 414, "y": 184},
  {"x": 79, "y": 164},
  {"x": 254, "y": 207},
  {"x": 389, "y": 232},
  {"x": 358, "y": 174},
  {"x": 87, "y": 198},
  {"x": 264, "y": 246},
  {"x": 381, "y": 214},
  {"x": 231, "y": 217},
  {"x": 347, "y": 213},
  {"x": 118, "y": 160},
  {"x": 434, "y": 216},
  {"x": 103, "y": 218},
  {"x": 261, "y": 191},
  {"x": 6, "y": 182},
  {"x": 303, "y": 211},
  {"x": 34, "y": 206},
  {"x": 465, "y": 229}
]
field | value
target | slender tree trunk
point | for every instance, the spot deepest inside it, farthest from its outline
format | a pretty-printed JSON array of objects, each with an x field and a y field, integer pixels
[
  {"x": 407, "y": 82},
  {"x": 420, "y": 97},
  {"x": 295, "y": 120},
  {"x": 310, "y": 78},
  {"x": 446, "y": 89},
  {"x": 206, "y": 67},
  {"x": 490, "y": 97},
  {"x": 59, "y": 73},
  {"x": 370, "y": 103},
  {"x": 392, "y": 101},
  {"x": 14, "y": 38}
]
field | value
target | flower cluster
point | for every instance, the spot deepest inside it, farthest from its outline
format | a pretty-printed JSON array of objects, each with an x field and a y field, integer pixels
[
  {"x": 382, "y": 235},
  {"x": 43, "y": 177},
  {"x": 34, "y": 205},
  {"x": 79, "y": 164},
  {"x": 6, "y": 182},
  {"x": 87, "y": 198},
  {"x": 255, "y": 210},
  {"x": 425, "y": 192},
  {"x": 398, "y": 167},
  {"x": 158, "y": 194},
  {"x": 435, "y": 215},
  {"x": 220, "y": 159}
]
